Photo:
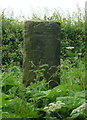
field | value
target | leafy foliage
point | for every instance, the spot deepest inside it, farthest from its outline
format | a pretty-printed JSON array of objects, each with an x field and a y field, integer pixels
[
  {"x": 72, "y": 35},
  {"x": 29, "y": 102},
  {"x": 12, "y": 40},
  {"x": 36, "y": 100}
]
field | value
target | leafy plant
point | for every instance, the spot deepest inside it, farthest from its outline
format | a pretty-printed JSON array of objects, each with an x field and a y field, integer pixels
[{"x": 19, "y": 101}]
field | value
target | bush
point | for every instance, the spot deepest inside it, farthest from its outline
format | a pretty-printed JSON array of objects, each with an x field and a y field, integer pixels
[
  {"x": 72, "y": 35},
  {"x": 12, "y": 41},
  {"x": 38, "y": 100}
]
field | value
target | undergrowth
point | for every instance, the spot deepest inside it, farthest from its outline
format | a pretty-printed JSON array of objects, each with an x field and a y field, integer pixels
[
  {"x": 38, "y": 100},
  {"x": 66, "y": 101}
]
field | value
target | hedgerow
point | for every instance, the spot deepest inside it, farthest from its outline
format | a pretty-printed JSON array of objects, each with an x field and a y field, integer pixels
[{"x": 38, "y": 101}]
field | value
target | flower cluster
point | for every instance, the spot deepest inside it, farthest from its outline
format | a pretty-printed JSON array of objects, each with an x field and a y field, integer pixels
[
  {"x": 80, "y": 108},
  {"x": 52, "y": 107},
  {"x": 69, "y": 48},
  {"x": 79, "y": 53}
]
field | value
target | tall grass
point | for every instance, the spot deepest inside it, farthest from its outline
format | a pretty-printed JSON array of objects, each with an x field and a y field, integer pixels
[{"x": 19, "y": 101}]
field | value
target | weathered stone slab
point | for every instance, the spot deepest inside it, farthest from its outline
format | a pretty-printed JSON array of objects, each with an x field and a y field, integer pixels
[{"x": 41, "y": 46}]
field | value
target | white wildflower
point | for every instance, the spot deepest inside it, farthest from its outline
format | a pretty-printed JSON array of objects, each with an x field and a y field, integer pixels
[
  {"x": 45, "y": 108},
  {"x": 80, "y": 108},
  {"x": 52, "y": 107},
  {"x": 79, "y": 53},
  {"x": 69, "y": 48},
  {"x": 59, "y": 104},
  {"x": 48, "y": 111}
]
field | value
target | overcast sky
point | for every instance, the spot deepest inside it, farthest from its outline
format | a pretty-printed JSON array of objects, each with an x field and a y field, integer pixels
[{"x": 27, "y": 7}]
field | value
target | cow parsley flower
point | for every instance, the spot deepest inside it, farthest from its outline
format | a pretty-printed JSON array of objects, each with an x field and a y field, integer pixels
[
  {"x": 69, "y": 48},
  {"x": 45, "y": 108},
  {"x": 79, "y": 53},
  {"x": 80, "y": 108},
  {"x": 52, "y": 107}
]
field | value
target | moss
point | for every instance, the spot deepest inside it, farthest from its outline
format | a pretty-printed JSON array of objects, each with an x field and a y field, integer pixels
[{"x": 41, "y": 46}]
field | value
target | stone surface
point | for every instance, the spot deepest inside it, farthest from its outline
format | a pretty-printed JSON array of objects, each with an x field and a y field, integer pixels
[{"x": 41, "y": 46}]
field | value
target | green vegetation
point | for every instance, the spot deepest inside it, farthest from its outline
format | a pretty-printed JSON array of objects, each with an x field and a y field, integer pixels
[
  {"x": 12, "y": 32},
  {"x": 63, "y": 102}
]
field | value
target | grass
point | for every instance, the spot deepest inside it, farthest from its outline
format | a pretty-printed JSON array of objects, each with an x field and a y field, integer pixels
[
  {"x": 38, "y": 100},
  {"x": 29, "y": 102}
]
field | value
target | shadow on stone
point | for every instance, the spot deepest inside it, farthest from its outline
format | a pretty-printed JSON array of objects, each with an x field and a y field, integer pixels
[{"x": 41, "y": 46}]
